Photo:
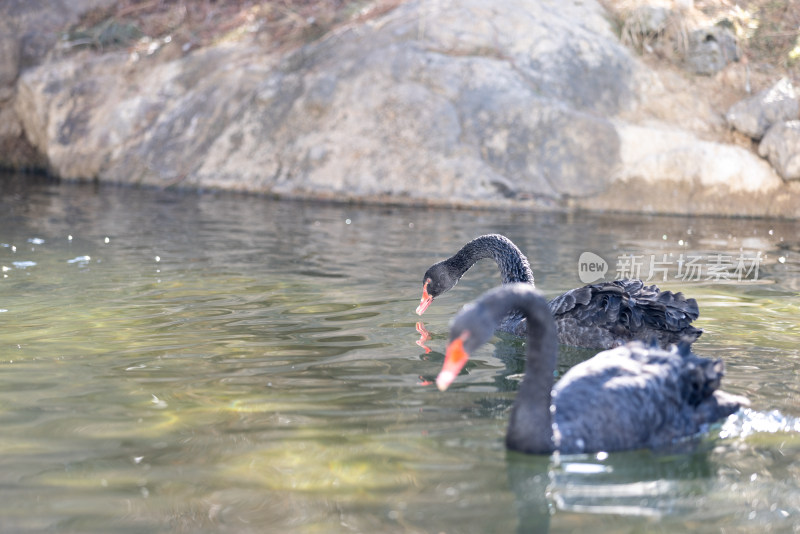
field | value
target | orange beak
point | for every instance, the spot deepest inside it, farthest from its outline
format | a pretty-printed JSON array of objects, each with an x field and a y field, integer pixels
[
  {"x": 426, "y": 300},
  {"x": 454, "y": 361}
]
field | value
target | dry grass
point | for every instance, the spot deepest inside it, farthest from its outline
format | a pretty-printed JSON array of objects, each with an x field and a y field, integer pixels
[
  {"x": 669, "y": 39},
  {"x": 768, "y": 31},
  {"x": 197, "y": 23},
  {"x": 771, "y": 32}
]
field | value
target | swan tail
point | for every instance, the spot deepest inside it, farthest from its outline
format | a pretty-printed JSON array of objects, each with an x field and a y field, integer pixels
[
  {"x": 701, "y": 380},
  {"x": 717, "y": 406}
]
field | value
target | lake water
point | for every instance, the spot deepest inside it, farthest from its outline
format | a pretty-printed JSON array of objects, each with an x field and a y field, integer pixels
[{"x": 187, "y": 362}]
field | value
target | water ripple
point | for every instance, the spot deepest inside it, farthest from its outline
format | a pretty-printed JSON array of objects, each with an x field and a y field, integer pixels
[{"x": 747, "y": 422}]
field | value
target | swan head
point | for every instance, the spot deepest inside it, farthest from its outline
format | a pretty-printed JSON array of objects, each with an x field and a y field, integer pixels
[
  {"x": 470, "y": 329},
  {"x": 440, "y": 278}
]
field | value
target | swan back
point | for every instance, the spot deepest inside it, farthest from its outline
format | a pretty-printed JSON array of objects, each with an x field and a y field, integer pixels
[{"x": 638, "y": 396}]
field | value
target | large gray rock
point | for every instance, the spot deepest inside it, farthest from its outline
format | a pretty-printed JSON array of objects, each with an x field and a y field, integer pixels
[
  {"x": 665, "y": 169},
  {"x": 781, "y": 146},
  {"x": 454, "y": 102},
  {"x": 659, "y": 153},
  {"x": 753, "y": 116},
  {"x": 460, "y": 100}
]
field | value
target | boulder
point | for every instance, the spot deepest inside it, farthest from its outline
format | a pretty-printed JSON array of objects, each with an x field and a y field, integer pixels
[
  {"x": 28, "y": 31},
  {"x": 464, "y": 101},
  {"x": 457, "y": 103},
  {"x": 781, "y": 146},
  {"x": 753, "y": 116},
  {"x": 667, "y": 170},
  {"x": 711, "y": 49},
  {"x": 661, "y": 153}
]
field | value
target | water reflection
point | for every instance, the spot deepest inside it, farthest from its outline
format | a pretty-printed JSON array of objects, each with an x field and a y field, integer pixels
[
  {"x": 637, "y": 485},
  {"x": 424, "y": 336}
]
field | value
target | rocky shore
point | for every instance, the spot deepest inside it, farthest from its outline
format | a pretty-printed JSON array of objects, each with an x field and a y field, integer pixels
[{"x": 523, "y": 104}]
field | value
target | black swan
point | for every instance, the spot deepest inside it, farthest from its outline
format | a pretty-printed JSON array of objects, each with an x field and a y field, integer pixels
[
  {"x": 630, "y": 397},
  {"x": 602, "y": 315}
]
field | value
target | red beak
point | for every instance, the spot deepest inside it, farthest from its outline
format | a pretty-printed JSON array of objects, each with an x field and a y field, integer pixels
[
  {"x": 454, "y": 361},
  {"x": 425, "y": 301}
]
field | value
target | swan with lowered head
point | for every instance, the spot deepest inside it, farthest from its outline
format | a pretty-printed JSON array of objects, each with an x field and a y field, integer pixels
[{"x": 602, "y": 315}]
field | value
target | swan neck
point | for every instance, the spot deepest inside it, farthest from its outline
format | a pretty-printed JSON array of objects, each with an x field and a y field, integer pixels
[
  {"x": 513, "y": 264},
  {"x": 531, "y": 424}
]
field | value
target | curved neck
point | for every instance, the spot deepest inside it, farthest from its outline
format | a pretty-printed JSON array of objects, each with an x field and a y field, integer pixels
[
  {"x": 531, "y": 425},
  {"x": 513, "y": 264}
]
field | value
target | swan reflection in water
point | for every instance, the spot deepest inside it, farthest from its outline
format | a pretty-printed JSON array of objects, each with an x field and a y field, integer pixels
[
  {"x": 678, "y": 488},
  {"x": 634, "y": 484}
]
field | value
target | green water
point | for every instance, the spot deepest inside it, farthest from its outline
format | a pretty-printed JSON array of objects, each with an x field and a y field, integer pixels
[{"x": 183, "y": 362}]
